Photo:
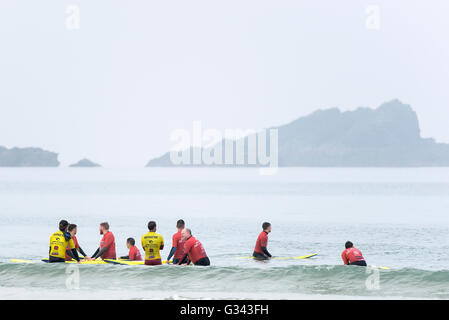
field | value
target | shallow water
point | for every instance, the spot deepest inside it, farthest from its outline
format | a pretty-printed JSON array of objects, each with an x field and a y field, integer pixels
[{"x": 397, "y": 217}]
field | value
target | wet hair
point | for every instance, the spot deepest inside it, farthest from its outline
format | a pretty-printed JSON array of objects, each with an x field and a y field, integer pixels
[
  {"x": 63, "y": 225},
  {"x": 348, "y": 244},
  {"x": 105, "y": 225},
  {"x": 131, "y": 241},
  {"x": 71, "y": 227},
  {"x": 265, "y": 225},
  {"x": 151, "y": 225},
  {"x": 180, "y": 223}
]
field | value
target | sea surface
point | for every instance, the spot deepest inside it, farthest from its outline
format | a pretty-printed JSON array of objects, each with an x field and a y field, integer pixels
[{"x": 397, "y": 217}]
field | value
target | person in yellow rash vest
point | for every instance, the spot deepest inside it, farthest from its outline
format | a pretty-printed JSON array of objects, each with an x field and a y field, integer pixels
[
  {"x": 59, "y": 242},
  {"x": 152, "y": 243}
]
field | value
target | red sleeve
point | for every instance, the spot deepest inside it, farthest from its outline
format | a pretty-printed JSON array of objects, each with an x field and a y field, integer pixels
[
  {"x": 75, "y": 240},
  {"x": 343, "y": 256},
  {"x": 174, "y": 240}
]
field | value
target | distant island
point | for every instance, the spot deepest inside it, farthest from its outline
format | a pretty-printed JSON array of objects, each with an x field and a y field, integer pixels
[
  {"x": 27, "y": 157},
  {"x": 85, "y": 163},
  {"x": 388, "y": 136}
]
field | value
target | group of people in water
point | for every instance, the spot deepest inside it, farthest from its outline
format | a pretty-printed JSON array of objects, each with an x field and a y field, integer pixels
[{"x": 185, "y": 248}]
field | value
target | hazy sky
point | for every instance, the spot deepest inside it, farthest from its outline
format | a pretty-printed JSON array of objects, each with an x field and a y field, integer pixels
[{"x": 114, "y": 89}]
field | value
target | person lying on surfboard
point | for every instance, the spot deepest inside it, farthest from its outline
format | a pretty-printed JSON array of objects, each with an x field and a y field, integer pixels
[
  {"x": 193, "y": 250},
  {"x": 260, "y": 250},
  {"x": 107, "y": 244},
  {"x": 177, "y": 250},
  {"x": 352, "y": 256},
  {"x": 72, "y": 229},
  {"x": 134, "y": 253},
  {"x": 59, "y": 241}
]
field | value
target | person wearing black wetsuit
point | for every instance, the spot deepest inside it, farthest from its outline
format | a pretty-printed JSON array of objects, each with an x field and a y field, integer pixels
[{"x": 260, "y": 250}]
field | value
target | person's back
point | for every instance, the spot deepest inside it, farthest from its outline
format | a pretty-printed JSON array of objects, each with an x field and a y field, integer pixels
[
  {"x": 59, "y": 242},
  {"x": 134, "y": 254},
  {"x": 352, "y": 255},
  {"x": 177, "y": 250},
  {"x": 152, "y": 243}
]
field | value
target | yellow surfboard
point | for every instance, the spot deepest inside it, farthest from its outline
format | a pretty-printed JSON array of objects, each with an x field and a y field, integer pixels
[
  {"x": 286, "y": 258},
  {"x": 129, "y": 262}
]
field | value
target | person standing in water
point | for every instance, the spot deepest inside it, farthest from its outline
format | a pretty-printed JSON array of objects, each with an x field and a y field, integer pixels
[
  {"x": 177, "y": 250},
  {"x": 72, "y": 229},
  {"x": 352, "y": 256},
  {"x": 59, "y": 242},
  {"x": 193, "y": 250},
  {"x": 260, "y": 250},
  {"x": 152, "y": 243},
  {"x": 107, "y": 244}
]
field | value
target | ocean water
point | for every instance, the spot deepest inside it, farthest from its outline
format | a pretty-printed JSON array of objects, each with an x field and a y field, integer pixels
[{"x": 397, "y": 217}]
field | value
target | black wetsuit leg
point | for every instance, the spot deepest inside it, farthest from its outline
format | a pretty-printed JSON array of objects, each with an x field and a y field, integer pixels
[
  {"x": 361, "y": 263},
  {"x": 52, "y": 259},
  {"x": 259, "y": 256},
  {"x": 203, "y": 262}
]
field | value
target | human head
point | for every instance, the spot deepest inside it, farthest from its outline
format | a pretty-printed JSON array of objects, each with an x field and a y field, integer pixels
[
  {"x": 130, "y": 242},
  {"x": 266, "y": 226},
  {"x": 104, "y": 227},
  {"x": 348, "y": 244},
  {"x": 63, "y": 224},
  {"x": 186, "y": 233},
  {"x": 152, "y": 226},
  {"x": 180, "y": 224},
  {"x": 72, "y": 229}
]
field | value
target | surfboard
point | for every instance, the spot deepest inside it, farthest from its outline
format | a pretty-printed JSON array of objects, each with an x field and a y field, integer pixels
[
  {"x": 286, "y": 258},
  {"x": 129, "y": 262},
  {"x": 81, "y": 262}
]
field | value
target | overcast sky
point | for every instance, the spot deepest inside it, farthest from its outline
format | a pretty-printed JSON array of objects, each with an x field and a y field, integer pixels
[{"x": 114, "y": 89}]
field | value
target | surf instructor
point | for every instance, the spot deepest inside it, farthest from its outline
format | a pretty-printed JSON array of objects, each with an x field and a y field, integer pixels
[
  {"x": 59, "y": 242},
  {"x": 260, "y": 250},
  {"x": 193, "y": 250},
  {"x": 107, "y": 244}
]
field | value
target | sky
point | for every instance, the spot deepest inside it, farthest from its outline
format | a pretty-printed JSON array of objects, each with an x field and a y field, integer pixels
[{"x": 112, "y": 83}]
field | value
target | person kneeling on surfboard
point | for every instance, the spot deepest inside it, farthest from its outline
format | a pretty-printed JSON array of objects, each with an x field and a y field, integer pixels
[
  {"x": 260, "y": 250},
  {"x": 134, "y": 253},
  {"x": 177, "y": 250},
  {"x": 107, "y": 244},
  {"x": 352, "y": 256},
  {"x": 59, "y": 241},
  {"x": 193, "y": 250},
  {"x": 152, "y": 243},
  {"x": 72, "y": 229}
]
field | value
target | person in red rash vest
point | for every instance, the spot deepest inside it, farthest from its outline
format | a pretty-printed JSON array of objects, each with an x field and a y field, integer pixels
[
  {"x": 107, "y": 244},
  {"x": 193, "y": 250},
  {"x": 72, "y": 229},
  {"x": 134, "y": 253},
  {"x": 260, "y": 250},
  {"x": 352, "y": 256},
  {"x": 177, "y": 250}
]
